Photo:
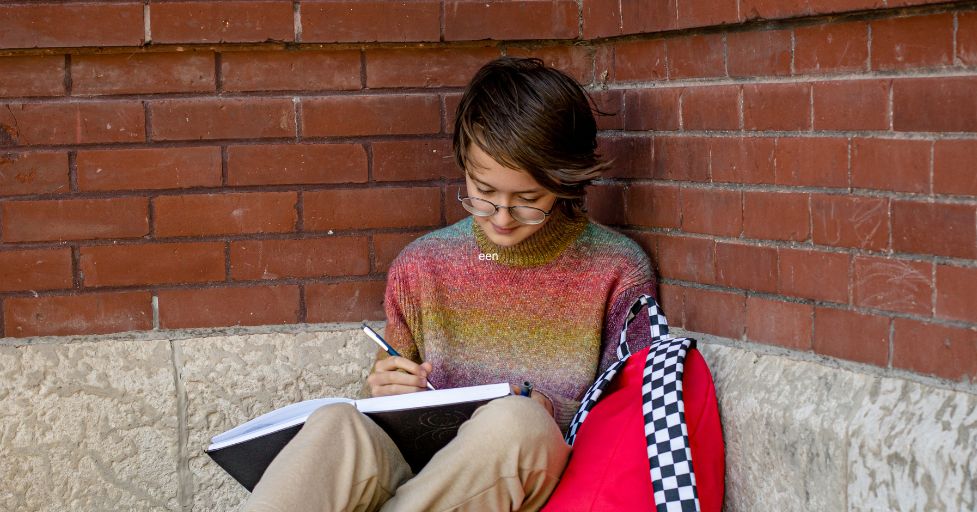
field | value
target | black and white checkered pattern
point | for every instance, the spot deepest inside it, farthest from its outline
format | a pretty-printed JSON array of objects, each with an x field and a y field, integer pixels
[{"x": 669, "y": 455}]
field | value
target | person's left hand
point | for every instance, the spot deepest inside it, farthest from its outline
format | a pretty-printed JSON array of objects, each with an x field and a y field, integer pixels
[{"x": 538, "y": 397}]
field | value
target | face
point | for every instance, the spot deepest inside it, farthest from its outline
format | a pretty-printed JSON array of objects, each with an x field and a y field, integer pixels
[{"x": 489, "y": 180}]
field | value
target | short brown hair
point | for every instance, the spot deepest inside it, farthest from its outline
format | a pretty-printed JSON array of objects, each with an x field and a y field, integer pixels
[{"x": 534, "y": 118}]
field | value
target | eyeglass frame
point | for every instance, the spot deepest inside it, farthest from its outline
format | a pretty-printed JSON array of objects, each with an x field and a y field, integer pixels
[{"x": 497, "y": 206}]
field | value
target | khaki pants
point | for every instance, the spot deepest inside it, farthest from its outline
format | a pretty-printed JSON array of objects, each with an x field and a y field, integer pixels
[{"x": 508, "y": 456}]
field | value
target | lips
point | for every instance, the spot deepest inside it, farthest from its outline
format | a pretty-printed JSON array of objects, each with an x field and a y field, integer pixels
[{"x": 502, "y": 231}]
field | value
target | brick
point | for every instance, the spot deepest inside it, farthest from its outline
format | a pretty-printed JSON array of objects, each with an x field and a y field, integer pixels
[
  {"x": 852, "y": 336},
  {"x": 831, "y": 48},
  {"x": 451, "y": 102},
  {"x": 142, "y": 73},
  {"x": 31, "y": 270},
  {"x": 648, "y": 16},
  {"x": 138, "y": 169},
  {"x": 467, "y": 20},
  {"x": 967, "y": 37},
  {"x": 221, "y": 307},
  {"x": 813, "y": 275},
  {"x": 91, "y": 313},
  {"x": 914, "y": 42},
  {"x": 953, "y": 170},
  {"x": 848, "y": 106},
  {"x": 32, "y": 75},
  {"x": 306, "y": 257},
  {"x": 305, "y": 70},
  {"x": 429, "y": 159},
  {"x": 944, "y": 352},
  {"x": 774, "y": 9},
  {"x": 353, "y": 301},
  {"x": 681, "y": 158},
  {"x": 759, "y": 53},
  {"x": 296, "y": 164},
  {"x": 945, "y": 104},
  {"x": 28, "y": 124},
  {"x": 777, "y": 106},
  {"x": 850, "y": 221},
  {"x": 601, "y": 18},
  {"x": 654, "y": 206},
  {"x": 225, "y": 213},
  {"x": 891, "y": 164},
  {"x": 652, "y": 109},
  {"x": 133, "y": 265},
  {"x": 933, "y": 228},
  {"x": 705, "y": 13},
  {"x": 687, "y": 259},
  {"x": 711, "y": 108},
  {"x": 776, "y": 216},
  {"x": 671, "y": 298},
  {"x": 363, "y": 21},
  {"x": 712, "y": 312},
  {"x": 812, "y": 162},
  {"x": 33, "y": 173},
  {"x": 746, "y": 267},
  {"x": 893, "y": 285},
  {"x": 630, "y": 157},
  {"x": 386, "y": 247},
  {"x": 575, "y": 61},
  {"x": 251, "y": 118},
  {"x": 394, "y": 114},
  {"x": 637, "y": 61},
  {"x": 45, "y": 26},
  {"x": 956, "y": 293},
  {"x": 773, "y": 322},
  {"x": 696, "y": 56},
  {"x": 398, "y": 68},
  {"x": 604, "y": 204},
  {"x": 712, "y": 211},
  {"x": 742, "y": 159},
  {"x": 611, "y": 106},
  {"x": 222, "y": 22},
  {"x": 372, "y": 208},
  {"x": 74, "y": 219}
]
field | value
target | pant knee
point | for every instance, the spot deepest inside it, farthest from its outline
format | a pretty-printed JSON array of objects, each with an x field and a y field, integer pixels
[{"x": 518, "y": 418}]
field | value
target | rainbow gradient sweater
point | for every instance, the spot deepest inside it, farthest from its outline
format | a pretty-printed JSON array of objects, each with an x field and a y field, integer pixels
[{"x": 548, "y": 310}]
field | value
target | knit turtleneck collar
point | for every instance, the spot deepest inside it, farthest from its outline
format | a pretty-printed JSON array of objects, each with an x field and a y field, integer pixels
[{"x": 541, "y": 247}]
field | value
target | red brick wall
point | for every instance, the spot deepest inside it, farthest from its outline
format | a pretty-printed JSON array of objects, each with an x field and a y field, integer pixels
[{"x": 804, "y": 176}]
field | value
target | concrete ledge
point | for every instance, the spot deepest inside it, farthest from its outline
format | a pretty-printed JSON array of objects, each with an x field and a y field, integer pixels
[{"x": 119, "y": 422}]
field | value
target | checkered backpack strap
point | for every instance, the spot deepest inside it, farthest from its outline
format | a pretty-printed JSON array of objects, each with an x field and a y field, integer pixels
[
  {"x": 659, "y": 327},
  {"x": 669, "y": 454}
]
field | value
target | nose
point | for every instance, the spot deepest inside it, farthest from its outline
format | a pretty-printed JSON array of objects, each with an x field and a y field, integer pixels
[{"x": 505, "y": 217}]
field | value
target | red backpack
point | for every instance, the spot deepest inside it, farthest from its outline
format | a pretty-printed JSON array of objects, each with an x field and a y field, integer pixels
[{"x": 652, "y": 439}]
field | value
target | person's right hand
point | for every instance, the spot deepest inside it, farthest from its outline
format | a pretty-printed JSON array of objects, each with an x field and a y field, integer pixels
[{"x": 396, "y": 375}]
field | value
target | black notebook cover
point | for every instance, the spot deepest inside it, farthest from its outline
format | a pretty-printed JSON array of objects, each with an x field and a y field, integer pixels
[{"x": 419, "y": 432}]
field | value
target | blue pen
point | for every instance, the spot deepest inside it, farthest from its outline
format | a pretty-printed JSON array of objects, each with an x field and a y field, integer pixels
[{"x": 386, "y": 346}]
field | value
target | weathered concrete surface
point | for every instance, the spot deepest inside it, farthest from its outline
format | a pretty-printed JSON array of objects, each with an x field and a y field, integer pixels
[
  {"x": 806, "y": 436},
  {"x": 232, "y": 380},
  {"x": 88, "y": 426},
  {"x": 121, "y": 424}
]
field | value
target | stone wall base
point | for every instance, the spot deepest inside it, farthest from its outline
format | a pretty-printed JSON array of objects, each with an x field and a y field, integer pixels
[{"x": 120, "y": 422}]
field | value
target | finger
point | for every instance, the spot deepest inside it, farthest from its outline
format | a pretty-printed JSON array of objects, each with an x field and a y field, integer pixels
[
  {"x": 384, "y": 378},
  {"x": 395, "y": 389},
  {"x": 397, "y": 362}
]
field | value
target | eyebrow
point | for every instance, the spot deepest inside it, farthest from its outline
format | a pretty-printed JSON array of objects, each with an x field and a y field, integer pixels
[{"x": 490, "y": 186}]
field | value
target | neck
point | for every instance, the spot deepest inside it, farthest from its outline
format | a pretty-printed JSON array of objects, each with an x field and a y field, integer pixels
[{"x": 539, "y": 248}]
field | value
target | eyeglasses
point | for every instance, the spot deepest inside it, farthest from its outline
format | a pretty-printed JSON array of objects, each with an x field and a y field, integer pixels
[{"x": 522, "y": 214}]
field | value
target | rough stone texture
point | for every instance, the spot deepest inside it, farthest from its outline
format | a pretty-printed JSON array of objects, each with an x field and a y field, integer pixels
[
  {"x": 801, "y": 435},
  {"x": 105, "y": 424},
  {"x": 231, "y": 380},
  {"x": 88, "y": 426}
]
